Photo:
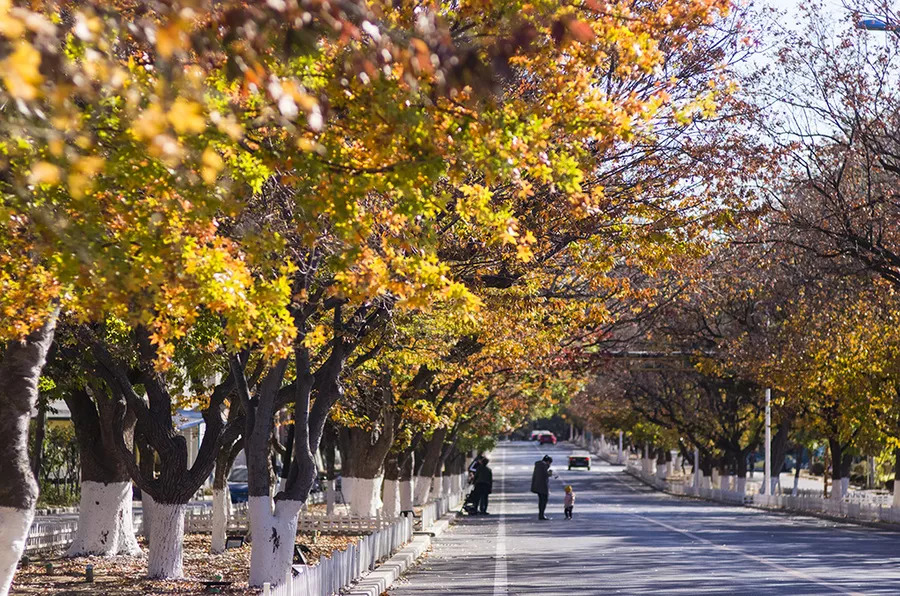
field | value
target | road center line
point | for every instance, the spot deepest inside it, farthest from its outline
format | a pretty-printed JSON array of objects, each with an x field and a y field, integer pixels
[{"x": 501, "y": 587}]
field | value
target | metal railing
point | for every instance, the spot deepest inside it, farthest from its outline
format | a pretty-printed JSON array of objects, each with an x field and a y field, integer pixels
[{"x": 853, "y": 506}]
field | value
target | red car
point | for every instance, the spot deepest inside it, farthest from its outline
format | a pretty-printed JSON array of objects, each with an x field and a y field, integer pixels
[{"x": 548, "y": 438}]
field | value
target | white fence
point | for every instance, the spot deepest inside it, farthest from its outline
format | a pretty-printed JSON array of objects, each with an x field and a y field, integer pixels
[
  {"x": 50, "y": 535},
  {"x": 331, "y": 575},
  {"x": 855, "y": 505},
  {"x": 59, "y": 534},
  {"x": 200, "y": 522}
]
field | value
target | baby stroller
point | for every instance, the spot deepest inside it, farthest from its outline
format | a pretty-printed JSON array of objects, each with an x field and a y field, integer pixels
[{"x": 470, "y": 505}]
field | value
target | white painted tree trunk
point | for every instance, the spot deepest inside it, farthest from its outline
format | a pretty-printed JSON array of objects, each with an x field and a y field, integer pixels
[
  {"x": 329, "y": 497},
  {"x": 662, "y": 471},
  {"x": 391, "y": 498},
  {"x": 166, "y": 542},
  {"x": 274, "y": 536},
  {"x": 14, "y": 526},
  {"x": 436, "y": 486},
  {"x": 705, "y": 481},
  {"x": 669, "y": 468},
  {"x": 845, "y": 486},
  {"x": 447, "y": 484},
  {"x": 741, "y": 486},
  {"x": 364, "y": 496},
  {"x": 896, "y": 501},
  {"x": 347, "y": 489},
  {"x": 725, "y": 481},
  {"x": 219, "y": 520},
  {"x": 837, "y": 488},
  {"x": 407, "y": 490},
  {"x": 422, "y": 490},
  {"x": 715, "y": 478},
  {"x": 105, "y": 524}
]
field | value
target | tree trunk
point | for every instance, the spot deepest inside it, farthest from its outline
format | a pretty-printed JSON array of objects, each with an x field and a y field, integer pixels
[
  {"x": 20, "y": 371},
  {"x": 779, "y": 451},
  {"x": 797, "y": 464},
  {"x": 896, "y": 500},
  {"x": 836, "y": 456},
  {"x": 741, "y": 478},
  {"x": 222, "y": 496},
  {"x": 167, "y": 541},
  {"x": 37, "y": 445},
  {"x": 391, "y": 496},
  {"x": 846, "y": 465},
  {"x": 274, "y": 536},
  {"x": 362, "y": 455},
  {"x": 430, "y": 461},
  {"x": 177, "y": 479},
  {"x": 707, "y": 464},
  {"x": 407, "y": 484},
  {"x": 661, "y": 463},
  {"x": 328, "y": 448},
  {"x": 105, "y": 520}
]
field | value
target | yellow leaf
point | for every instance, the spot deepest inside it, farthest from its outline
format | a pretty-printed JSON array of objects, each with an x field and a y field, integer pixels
[
  {"x": 44, "y": 172},
  {"x": 186, "y": 116},
  {"x": 21, "y": 73},
  {"x": 212, "y": 165}
]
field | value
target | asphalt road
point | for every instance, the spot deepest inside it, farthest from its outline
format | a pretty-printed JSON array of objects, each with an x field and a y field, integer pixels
[{"x": 628, "y": 539}]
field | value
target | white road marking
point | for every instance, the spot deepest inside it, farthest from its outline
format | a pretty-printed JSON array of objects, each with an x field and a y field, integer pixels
[
  {"x": 501, "y": 585},
  {"x": 769, "y": 563}
]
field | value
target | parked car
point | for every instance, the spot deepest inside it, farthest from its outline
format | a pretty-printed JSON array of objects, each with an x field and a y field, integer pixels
[
  {"x": 548, "y": 438},
  {"x": 237, "y": 484},
  {"x": 580, "y": 461}
]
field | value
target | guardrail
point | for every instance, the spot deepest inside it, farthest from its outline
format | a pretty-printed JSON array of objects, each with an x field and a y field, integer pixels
[
  {"x": 854, "y": 506},
  {"x": 332, "y": 574}
]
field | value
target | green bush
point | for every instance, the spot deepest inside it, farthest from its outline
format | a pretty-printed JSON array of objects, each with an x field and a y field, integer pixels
[{"x": 60, "y": 471}]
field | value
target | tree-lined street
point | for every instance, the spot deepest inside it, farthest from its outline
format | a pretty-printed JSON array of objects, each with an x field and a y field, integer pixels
[
  {"x": 626, "y": 538},
  {"x": 287, "y": 254}
]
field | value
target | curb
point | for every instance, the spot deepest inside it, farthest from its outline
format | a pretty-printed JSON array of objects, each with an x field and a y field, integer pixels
[{"x": 378, "y": 581}]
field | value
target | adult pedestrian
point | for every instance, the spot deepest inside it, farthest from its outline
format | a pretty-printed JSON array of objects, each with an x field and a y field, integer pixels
[
  {"x": 484, "y": 485},
  {"x": 473, "y": 468},
  {"x": 540, "y": 484}
]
